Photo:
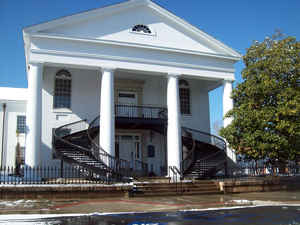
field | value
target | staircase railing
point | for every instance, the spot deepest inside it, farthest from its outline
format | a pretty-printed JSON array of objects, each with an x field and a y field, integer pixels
[
  {"x": 175, "y": 174},
  {"x": 217, "y": 165},
  {"x": 62, "y": 133},
  {"x": 69, "y": 136},
  {"x": 200, "y": 136},
  {"x": 117, "y": 165}
]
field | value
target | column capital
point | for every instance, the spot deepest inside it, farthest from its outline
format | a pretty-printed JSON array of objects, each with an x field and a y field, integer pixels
[
  {"x": 175, "y": 75},
  {"x": 108, "y": 69},
  {"x": 228, "y": 80},
  {"x": 38, "y": 64}
]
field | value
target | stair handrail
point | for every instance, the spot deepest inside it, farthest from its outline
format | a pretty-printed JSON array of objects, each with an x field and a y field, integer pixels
[
  {"x": 117, "y": 165},
  {"x": 63, "y": 139},
  {"x": 187, "y": 162},
  {"x": 219, "y": 139},
  {"x": 175, "y": 171}
]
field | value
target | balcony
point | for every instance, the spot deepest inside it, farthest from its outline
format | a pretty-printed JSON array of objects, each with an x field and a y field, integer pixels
[{"x": 140, "y": 117}]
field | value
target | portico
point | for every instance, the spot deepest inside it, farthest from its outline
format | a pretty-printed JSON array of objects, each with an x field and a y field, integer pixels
[{"x": 68, "y": 61}]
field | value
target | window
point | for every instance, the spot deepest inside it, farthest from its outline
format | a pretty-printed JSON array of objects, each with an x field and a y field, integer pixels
[
  {"x": 21, "y": 124},
  {"x": 62, "y": 92},
  {"x": 141, "y": 29},
  {"x": 184, "y": 95}
]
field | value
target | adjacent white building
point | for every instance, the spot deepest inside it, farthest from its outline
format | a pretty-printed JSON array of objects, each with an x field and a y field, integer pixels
[
  {"x": 112, "y": 62},
  {"x": 12, "y": 125}
]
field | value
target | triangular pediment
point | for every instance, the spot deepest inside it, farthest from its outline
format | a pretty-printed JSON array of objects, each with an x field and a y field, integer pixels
[{"x": 115, "y": 23}]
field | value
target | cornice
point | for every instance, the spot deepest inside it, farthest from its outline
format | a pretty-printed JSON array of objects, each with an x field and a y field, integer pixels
[
  {"x": 135, "y": 45},
  {"x": 127, "y": 59}
]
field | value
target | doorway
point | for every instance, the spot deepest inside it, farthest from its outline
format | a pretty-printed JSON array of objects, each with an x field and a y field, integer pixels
[
  {"x": 129, "y": 148},
  {"x": 127, "y": 102}
]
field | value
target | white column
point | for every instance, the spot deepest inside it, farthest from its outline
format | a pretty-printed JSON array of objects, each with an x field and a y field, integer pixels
[
  {"x": 228, "y": 105},
  {"x": 174, "y": 126},
  {"x": 107, "y": 112},
  {"x": 34, "y": 115}
]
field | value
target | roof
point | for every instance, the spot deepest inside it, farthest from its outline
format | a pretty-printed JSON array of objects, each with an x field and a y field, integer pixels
[{"x": 130, "y": 4}]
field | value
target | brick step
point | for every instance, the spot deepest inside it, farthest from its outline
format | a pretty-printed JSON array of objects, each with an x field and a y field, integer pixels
[
  {"x": 172, "y": 187},
  {"x": 181, "y": 189},
  {"x": 171, "y": 193},
  {"x": 196, "y": 183},
  {"x": 174, "y": 184}
]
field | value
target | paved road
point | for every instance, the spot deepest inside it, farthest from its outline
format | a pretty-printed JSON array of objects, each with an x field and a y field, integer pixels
[{"x": 266, "y": 215}]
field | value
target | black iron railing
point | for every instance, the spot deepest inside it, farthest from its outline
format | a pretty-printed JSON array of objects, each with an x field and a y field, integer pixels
[
  {"x": 117, "y": 165},
  {"x": 193, "y": 136},
  {"x": 25, "y": 175},
  {"x": 49, "y": 175},
  {"x": 64, "y": 136},
  {"x": 121, "y": 166},
  {"x": 72, "y": 145},
  {"x": 140, "y": 111},
  {"x": 251, "y": 171}
]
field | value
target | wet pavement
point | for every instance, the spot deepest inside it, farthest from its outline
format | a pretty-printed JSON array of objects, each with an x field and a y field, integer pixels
[
  {"x": 83, "y": 204},
  {"x": 272, "y": 215}
]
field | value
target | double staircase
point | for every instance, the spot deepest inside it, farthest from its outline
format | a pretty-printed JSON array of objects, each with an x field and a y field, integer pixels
[{"x": 77, "y": 144}]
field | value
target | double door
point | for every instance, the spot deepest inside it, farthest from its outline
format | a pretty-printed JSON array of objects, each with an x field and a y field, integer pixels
[{"x": 128, "y": 147}]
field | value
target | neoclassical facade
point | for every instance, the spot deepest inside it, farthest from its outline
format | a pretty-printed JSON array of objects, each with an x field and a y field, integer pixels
[{"x": 142, "y": 70}]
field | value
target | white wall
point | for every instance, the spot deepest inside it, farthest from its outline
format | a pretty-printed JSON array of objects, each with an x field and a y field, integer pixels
[
  {"x": 1, "y": 130},
  {"x": 13, "y": 109},
  {"x": 199, "y": 118}
]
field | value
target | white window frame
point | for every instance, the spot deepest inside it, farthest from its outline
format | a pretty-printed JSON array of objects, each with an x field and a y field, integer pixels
[
  {"x": 17, "y": 129},
  {"x": 188, "y": 88},
  {"x": 63, "y": 108}
]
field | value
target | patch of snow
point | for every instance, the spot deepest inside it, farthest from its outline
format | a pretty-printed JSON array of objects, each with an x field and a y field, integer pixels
[
  {"x": 241, "y": 201},
  {"x": 66, "y": 185},
  {"x": 22, "y": 202}
]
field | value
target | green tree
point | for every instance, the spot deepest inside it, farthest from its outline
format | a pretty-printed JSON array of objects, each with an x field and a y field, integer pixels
[{"x": 266, "y": 112}]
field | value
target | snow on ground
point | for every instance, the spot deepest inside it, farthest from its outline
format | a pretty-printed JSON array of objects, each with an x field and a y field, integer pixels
[
  {"x": 67, "y": 185},
  {"x": 22, "y": 202}
]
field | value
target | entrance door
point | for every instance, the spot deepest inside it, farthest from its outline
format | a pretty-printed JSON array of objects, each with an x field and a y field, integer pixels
[
  {"x": 129, "y": 149},
  {"x": 127, "y": 102}
]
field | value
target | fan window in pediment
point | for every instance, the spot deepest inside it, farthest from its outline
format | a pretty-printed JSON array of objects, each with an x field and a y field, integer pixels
[{"x": 140, "y": 28}]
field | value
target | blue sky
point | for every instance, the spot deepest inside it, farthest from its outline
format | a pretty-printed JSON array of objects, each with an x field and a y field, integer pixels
[{"x": 236, "y": 23}]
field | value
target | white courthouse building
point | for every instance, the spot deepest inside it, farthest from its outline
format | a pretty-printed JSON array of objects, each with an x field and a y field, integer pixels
[{"x": 138, "y": 68}]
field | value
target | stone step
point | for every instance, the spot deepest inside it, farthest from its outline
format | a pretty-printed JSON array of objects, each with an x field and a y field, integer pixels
[
  {"x": 172, "y": 193},
  {"x": 183, "y": 182},
  {"x": 166, "y": 190},
  {"x": 172, "y": 185}
]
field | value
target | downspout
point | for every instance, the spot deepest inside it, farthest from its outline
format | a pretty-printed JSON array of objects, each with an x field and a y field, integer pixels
[{"x": 3, "y": 131}]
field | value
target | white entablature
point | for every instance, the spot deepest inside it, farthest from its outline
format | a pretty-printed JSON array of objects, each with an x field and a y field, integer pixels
[{"x": 105, "y": 37}]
